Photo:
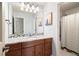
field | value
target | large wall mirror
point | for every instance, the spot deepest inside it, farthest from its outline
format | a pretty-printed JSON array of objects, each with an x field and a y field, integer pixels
[
  {"x": 24, "y": 23},
  {"x": 18, "y": 27}
]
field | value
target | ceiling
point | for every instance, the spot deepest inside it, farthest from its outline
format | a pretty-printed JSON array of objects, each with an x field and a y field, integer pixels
[{"x": 68, "y": 5}]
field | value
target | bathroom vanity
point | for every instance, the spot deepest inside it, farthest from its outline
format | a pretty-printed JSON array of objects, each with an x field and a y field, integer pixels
[
  {"x": 25, "y": 33},
  {"x": 37, "y": 47}
]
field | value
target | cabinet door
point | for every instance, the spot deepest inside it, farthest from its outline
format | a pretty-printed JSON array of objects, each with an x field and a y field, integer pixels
[
  {"x": 13, "y": 53},
  {"x": 39, "y": 50},
  {"x": 48, "y": 47},
  {"x": 48, "y": 50},
  {"x": 28, "y": 51}
]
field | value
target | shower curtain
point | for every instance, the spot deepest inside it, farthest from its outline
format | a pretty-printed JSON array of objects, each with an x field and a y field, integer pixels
[{"x": 70, "y": 32}]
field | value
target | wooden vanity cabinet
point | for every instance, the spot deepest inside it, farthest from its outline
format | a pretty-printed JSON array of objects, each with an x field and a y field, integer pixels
[
  {"x": 14, "y": 49},
  {"x": 33, "y": 48},
  {"x": 41, "y": 47}
]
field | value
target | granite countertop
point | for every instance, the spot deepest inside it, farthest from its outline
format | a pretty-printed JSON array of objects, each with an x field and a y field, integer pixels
[{"x": 25, "y": 39}]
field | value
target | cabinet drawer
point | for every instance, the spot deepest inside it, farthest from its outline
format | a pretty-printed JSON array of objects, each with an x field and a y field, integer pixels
[
  {"x": 32, "y": 43},
  {"x": 14, "y": 46},
  {"x": 28, "y": 44},
  {"x": 48, "y": 40},
  {"x": 39, "y": 42}
]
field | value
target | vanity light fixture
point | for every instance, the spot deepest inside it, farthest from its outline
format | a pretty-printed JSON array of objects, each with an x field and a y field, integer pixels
[{"x": 29, "y": 8}]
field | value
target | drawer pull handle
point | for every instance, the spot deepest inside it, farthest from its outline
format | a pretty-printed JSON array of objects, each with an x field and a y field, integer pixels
[{"x": 5, "y": 49}]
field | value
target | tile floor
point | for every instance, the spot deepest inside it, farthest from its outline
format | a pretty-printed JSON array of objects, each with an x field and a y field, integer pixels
[{"x": 64, "y": 52}]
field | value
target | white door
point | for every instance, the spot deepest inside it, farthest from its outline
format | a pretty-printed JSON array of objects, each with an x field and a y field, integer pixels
[
  {"x": 69, "y": 31},
  {"x": 74, "y": 33},
  {"x": 75, "y": 44}
]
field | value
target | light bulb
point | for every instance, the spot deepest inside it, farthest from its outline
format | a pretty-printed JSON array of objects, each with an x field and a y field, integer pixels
[
  {"x": 22, "y": 8},
  {"x": 26, "y": 9},
  {"x": 37, "y": 9},
  {"x": 34, "y": 11},
  {"x": 28, "y": 6},
  {"x": 33, "y": 7},
  {"x": 30, "y": 10}
]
